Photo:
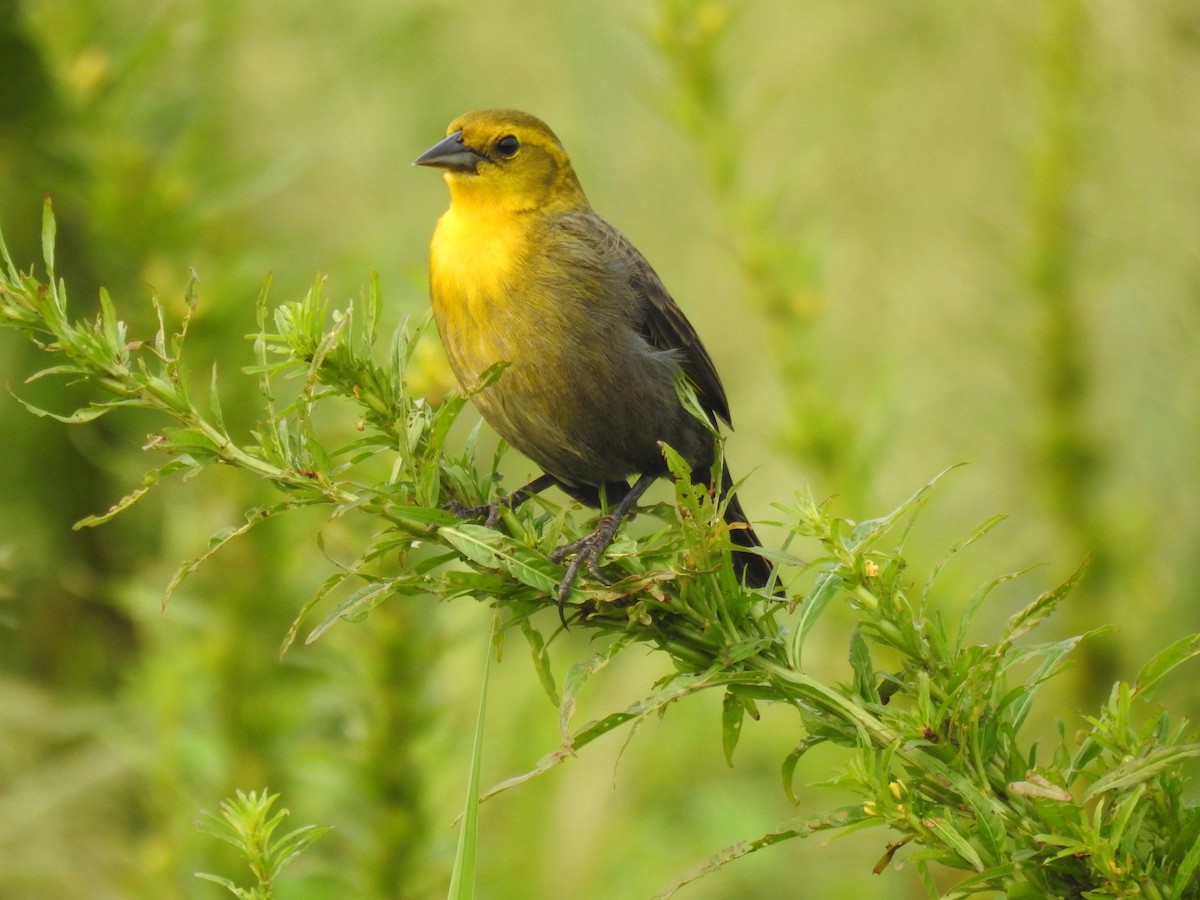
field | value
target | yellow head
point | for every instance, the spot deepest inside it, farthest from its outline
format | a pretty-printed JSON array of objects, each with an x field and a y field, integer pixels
[{"x": 505, "y": 160}]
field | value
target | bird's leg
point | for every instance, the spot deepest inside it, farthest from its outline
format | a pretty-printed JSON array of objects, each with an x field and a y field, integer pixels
[
  {"x": 589, "y": 548},
  {"x": 490, "y": 512}
]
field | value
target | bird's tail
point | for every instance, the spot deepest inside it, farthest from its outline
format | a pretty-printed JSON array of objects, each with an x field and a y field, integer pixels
[{"x": 754, "y": 569}]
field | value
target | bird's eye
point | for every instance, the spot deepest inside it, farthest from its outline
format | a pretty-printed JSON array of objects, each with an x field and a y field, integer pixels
[{"x": 508, "y": 146}]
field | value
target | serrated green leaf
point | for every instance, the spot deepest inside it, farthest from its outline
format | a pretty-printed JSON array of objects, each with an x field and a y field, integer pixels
[
  {"x": 576, "y": 677},
  {"x": 836, "y": 819},
  {"x": 973, "y": 605},
  {"x": 1028, "y": 618},
  {"x": 218, "y": 540},
  {"x": 497, "y": 551},
  {"x": 676, "y": 464},
  {"x": 116, "y": 509},
  {"x": 680, "y": 687},
  {"x": 541, "y": 659},
  {"x": 82, "y": 415},
  {"x": 66, "y": 369}
]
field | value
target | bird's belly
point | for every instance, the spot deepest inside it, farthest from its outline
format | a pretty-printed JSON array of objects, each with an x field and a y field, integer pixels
[{"x": 584, "y": 417}]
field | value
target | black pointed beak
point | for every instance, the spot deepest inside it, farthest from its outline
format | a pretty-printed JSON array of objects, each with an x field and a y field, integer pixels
[{"x": 451, "y": 153}]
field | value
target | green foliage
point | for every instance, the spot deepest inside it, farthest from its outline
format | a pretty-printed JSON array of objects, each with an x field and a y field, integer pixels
[
  {"x": 246, "y": 823},
  {"x": 931, "y": 721},
  {"x": 462, "y": 876},
  {"x": 943, "y": 231}
]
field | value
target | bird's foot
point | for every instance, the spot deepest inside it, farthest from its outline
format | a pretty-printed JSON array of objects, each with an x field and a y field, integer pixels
[
  {"x": 585, "y": 552},
  {"x": 489, "y": 512}
]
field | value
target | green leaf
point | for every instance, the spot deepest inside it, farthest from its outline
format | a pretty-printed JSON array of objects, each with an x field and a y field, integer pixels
[
  {"x": 214, "y": 401},
  {"x": 219, "y": 539},
  {"x": 1123, "y": 813},
  {"x": 788, "y": 770},
  {"x": 462, "y": 877},
  {"x": 296, "y": 842},
  {"x": 423, "y": 517},
  {"x": 1164, "y": 661},
  {"x": 676, "y": 464},
  {"x": 223, "y": 882},
  {"x": 990, "y": 830},
  {"x": 11, "y": 271},
  {"x": 733, "y": 713},
  {"x": 959, "y": 844},
  {"x": 796, "y": 828},
  {"x": 828, "y": 585},
  {"x": 66, "y": 369},
  {"x": 1143, "y": 768},
  {"x": 867, "y": 531},
  {"x": 1028, "y": 618},
  {"x": 49, "y": 231},
  {"x": 541, "y": 659},
  {"x": 576, "y": 677},
  {"x": 327, "y": 585},
  {"x": 979, "y": 531},
  {"x": 361, "y": 602},
  {"x": 82, "y": 415},
  {"x": 116, "y": 509},
  {"x": 113, "y": 329},
  {"x": 1023, "y": 695},
  {"x": 865, "y": 680},
  {"x": 1187, "y": 869},
  {"x": 493, "y": 550},
  {"x": 680, "y": 687},
  {"x": 976, "y": 601}
]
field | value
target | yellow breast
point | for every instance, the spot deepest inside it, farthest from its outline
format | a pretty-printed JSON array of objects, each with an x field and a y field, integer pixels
[
  {"x": 475, "y": 253},
  {"x": 475, "y": 261}
]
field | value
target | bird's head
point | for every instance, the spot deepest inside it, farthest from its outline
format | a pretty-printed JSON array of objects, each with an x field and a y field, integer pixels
[{"x": 506, "y": 160}]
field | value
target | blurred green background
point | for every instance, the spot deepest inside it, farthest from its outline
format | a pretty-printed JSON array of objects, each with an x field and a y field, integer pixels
[{"x": 911, "y": 235}]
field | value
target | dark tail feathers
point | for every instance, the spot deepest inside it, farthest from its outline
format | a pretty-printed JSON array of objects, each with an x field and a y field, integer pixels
[{"x": 755, "y": 570}]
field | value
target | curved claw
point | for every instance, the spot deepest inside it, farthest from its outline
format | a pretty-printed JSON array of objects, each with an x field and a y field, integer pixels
[
  {"x": 590, "y": 548},
  {"x": 586, "y": 551}
]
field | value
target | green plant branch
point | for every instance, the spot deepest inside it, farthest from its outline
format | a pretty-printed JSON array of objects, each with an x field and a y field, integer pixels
[
  {"x": 245, "y": 823},
  {"x": 934, "y": 743}
]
